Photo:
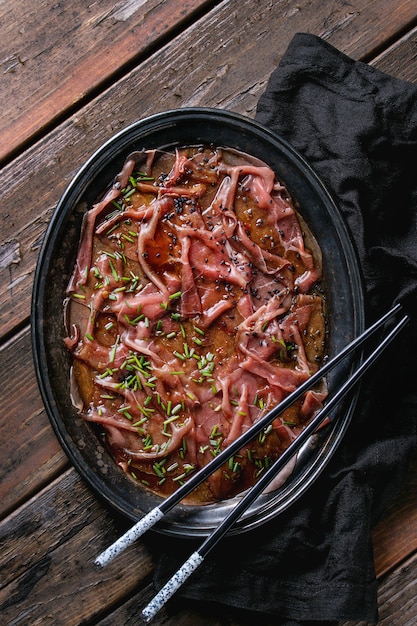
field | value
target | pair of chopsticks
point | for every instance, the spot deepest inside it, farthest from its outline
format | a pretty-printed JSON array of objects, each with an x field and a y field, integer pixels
[{"x": 156, "y": 514}]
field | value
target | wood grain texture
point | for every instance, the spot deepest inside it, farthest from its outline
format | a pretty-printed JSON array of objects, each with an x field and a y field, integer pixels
[
  {"x": 52, "y": 542},
  {"x": 400, "y": 59},
  {"x": 54, "y": 57},
  {"x": 397, "y": 597},
  {"x": 48, "y": 542},
  {"x": 29, "y": 451},
  {"x": 236, "y": 69},
  {"x": 395, "y": 536}
]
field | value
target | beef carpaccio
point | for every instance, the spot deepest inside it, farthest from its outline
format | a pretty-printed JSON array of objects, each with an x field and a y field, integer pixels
[{"x": 194, "y": 307}]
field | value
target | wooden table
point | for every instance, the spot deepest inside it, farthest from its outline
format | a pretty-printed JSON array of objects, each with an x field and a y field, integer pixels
[{"x": 73, "y": 74}]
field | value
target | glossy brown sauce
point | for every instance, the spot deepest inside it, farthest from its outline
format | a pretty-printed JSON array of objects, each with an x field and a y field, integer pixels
[{"x": 193, "y": 309}]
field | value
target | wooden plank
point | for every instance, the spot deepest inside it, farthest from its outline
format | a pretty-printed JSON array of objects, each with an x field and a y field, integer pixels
[
  {"x": 52, "y": 542},
  {"x": 29, "y": 451},
  {"x": 395, "y": 535},
  {"x": 235, "y": 73},
  {"x": 397, "y": 597},
  {"x": 400, "y": 58},
  {"x": 56, "y": 57},
  {"x": 366, "y": 32}
]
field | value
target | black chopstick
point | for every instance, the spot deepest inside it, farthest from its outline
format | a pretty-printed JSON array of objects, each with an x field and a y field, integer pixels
[
  {"x": 157, "y": 513},
  {"x": 195, "y": 560}
]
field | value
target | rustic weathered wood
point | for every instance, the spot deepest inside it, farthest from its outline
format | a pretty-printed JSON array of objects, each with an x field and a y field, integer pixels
[
  {"x": 236, "y": 68},
  {"x": 48, "y": 543},
  {"x": 397, "y": 597},
  {"x": 57, "y": 56},
  {"x": 30, "y": 453},
  {"x": 399, "y": 59},
  {"x": 395, "y": 536},
  {"x": 52, "y": 542}
]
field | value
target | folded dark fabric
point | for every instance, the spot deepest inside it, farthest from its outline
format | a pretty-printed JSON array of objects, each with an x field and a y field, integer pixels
[{"x": 357, "y": 127}]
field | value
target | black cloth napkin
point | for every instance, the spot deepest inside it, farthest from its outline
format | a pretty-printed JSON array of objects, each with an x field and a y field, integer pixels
[{"x": 313, "y": 564}]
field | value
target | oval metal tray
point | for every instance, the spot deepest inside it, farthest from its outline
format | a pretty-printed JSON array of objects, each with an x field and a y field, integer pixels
[{"x": 342, "y": 284}]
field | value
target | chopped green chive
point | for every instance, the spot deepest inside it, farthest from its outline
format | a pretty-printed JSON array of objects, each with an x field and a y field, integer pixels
[
  {"x": 113, "y": 271},
  {"x": 113, "y": 350}
]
